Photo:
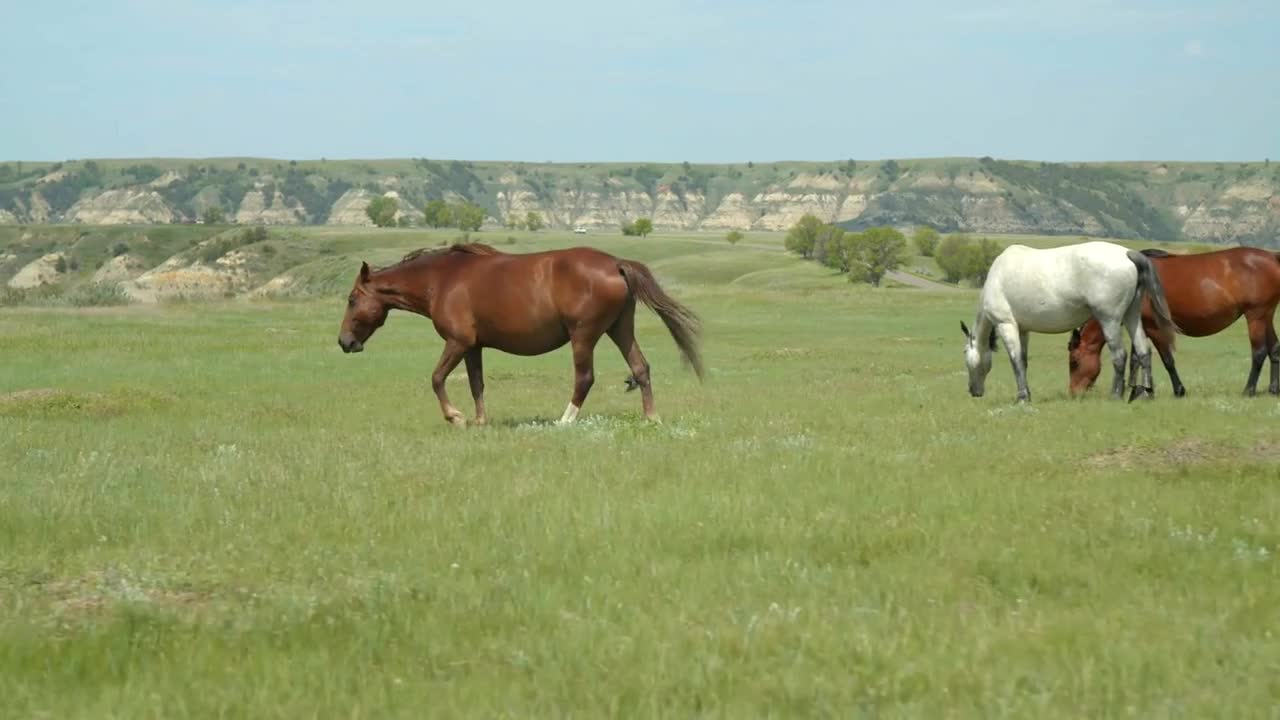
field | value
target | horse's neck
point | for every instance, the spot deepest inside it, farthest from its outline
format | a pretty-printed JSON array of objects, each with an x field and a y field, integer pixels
[{"x": 409, "y": 288}]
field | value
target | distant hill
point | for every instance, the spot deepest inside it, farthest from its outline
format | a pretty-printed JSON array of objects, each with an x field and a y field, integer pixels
[{"x": 1206, "y": 202}]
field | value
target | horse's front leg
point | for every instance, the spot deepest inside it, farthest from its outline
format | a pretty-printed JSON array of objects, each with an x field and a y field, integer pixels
[
  {"x": 1013, "y": 344},
  {"x": 449, "y": 359},
  {"x": 584, "y": 348},
  {"x": 475, "y": 376}
]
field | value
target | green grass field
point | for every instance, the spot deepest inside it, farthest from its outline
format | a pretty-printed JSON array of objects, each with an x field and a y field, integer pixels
[{"x": 209, "y": 510}]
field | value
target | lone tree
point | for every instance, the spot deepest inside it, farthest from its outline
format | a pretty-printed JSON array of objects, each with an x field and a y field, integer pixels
[
  {"x": 803, "y": 235},
  {"x": 213, "y": 215},
  {"x": 875, "y": 252},
  {"x": 469, "y": 216},
  {"x": 437, "y": 214},
  {"x": 382, "y": 211},
  {"x": 533, "y": 221},
  {"x": 926, "y": 240},
  {"x": 643, "y": 226},
  {"x": 733, "y": 238}
]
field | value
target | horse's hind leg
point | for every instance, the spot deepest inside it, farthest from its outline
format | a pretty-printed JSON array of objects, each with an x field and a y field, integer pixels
[
  {"x": 1258, "y": 327},
  {"x": 623, "y": 334},
  {"x": 1144, "y": 387},
  {"x": 1115, "y": 344},
  {"x": 1012, "y": 339},
  {"x": 1161, "y": 340},
  {"x": 449, "y": 359},
  {"x": 475, "y": 376},
  {"x": 1273, "y": 350}
]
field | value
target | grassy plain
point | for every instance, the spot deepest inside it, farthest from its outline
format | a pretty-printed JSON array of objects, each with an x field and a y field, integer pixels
[{"x": 208, "y": 510}]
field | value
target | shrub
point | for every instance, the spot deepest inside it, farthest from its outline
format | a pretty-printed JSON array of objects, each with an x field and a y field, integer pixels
[
  {"x": 382, "y": 211},
  {"x": 97, "y": 295},
  {"x": 733, "y": 237}
]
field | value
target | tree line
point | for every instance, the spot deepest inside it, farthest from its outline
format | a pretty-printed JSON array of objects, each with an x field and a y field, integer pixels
[{"x": 869, "y": 255}]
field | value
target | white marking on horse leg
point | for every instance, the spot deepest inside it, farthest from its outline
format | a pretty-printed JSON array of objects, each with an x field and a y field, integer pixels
[{"x": 570, "y": 414}]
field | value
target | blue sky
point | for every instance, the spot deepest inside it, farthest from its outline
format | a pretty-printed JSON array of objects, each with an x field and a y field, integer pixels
[{"x": 700, "y": 80}]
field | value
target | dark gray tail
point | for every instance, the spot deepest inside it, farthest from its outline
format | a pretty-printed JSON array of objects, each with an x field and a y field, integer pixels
[
  {"x": 684, "y": 325},
  {"x": 1149, "y": 282}
]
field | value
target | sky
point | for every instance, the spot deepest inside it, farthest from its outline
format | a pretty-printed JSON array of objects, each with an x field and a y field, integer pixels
[{"x": 657, "y": 81}]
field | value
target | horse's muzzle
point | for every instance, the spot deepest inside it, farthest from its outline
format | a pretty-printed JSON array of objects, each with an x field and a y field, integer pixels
[{"x": 350, "y": 346}]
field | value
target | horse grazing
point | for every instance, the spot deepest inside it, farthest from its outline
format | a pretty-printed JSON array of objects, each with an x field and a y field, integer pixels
[
  {"x": 524, "y": 304},
  {"x": 1207, "y": 293},
  {"x": 1055, "y": 290}
]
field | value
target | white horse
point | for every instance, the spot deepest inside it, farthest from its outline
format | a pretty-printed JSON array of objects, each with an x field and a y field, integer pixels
[{"x": 1055, "y": 290}]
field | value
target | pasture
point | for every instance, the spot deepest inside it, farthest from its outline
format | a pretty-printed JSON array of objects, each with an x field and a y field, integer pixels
[{"x": 208, "y": 510}]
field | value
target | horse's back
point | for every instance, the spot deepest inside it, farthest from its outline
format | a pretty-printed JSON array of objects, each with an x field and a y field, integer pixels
[
  {"x": 1211, "y": 289},
  {"x": 1052, "y": 290}
]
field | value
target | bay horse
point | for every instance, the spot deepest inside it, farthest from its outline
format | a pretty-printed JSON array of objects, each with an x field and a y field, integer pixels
[
  {"x": 1207, "y": 293},
  {"x": 525, "y": 304},
  {"x": 1054, "y": 290}
]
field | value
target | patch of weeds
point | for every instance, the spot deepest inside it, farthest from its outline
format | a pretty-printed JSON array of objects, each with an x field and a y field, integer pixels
[
  {"x": 98, "y": 294},
  {"x": 219, "y": 246},
  {"x": 54, "y": 403}
]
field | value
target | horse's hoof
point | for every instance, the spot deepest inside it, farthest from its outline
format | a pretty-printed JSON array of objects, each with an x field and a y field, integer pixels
[
  {"x": 457, "y": 421},
  {"x": 1141, "y": 392},
  {"x": 480, "y": 422},
  {"x": 1179, "y": 392},
  {"x": 631, "y": 383}
]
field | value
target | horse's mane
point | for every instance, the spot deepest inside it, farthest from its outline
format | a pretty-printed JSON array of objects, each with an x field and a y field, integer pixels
[{"x": 426, "y": 253}]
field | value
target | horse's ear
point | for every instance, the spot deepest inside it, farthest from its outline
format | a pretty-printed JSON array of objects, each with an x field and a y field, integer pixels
[
  {"x": 965, "y": 329},
  {"x": 991, "y": 340},
  {"x": 364, "y": 272},
  {"x": 1074, "y": 342}
]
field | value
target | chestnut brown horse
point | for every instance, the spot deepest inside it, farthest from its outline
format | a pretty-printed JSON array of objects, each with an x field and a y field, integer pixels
[
  {"x": 1207, "y": 292},
  {"x": 524, "y": 304}
]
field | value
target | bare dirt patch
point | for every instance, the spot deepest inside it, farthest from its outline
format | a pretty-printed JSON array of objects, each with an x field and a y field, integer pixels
[
  {"x": 1188, "y": 451},
  {"x": 100, "y": 590}
]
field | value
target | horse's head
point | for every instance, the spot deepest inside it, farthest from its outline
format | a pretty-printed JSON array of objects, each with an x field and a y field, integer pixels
[
  {"x": 366, "y": 312},
  {"x": 1084, "y": 361},
  {"x": 977, "y": 358}
]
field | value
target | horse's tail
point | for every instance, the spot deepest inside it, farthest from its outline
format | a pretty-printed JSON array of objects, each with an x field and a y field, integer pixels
[
  {"x": 1149, "y": 282},
  {"x": 684, "y": 325}
]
